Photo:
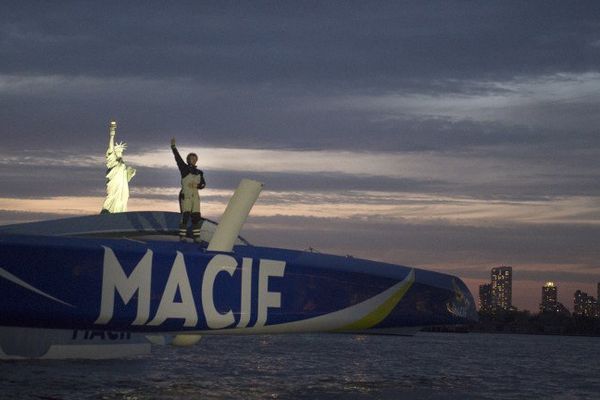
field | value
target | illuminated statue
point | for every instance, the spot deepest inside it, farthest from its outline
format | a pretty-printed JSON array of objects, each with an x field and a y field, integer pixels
[{"x": 118, "y": 175}]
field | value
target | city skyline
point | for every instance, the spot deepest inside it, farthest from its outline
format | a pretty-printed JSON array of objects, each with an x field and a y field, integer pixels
[
  {"x": 448, "y": 136},
  {"x": 497, "y": 295}
]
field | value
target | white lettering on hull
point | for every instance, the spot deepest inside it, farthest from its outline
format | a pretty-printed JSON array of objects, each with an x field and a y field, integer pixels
[
  {"x": 214, "y": 319},
  {"x": 115, "y": 281},
  {"x": 168, "y": 308}
]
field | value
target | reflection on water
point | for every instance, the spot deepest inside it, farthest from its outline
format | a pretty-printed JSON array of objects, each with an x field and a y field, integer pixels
[{"x": 427, "y": 366}]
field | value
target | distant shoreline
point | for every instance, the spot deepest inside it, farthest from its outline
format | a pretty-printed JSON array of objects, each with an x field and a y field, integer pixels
[
  {"x": 458, "y": 329},
  {"x": 525, "y": 323}
]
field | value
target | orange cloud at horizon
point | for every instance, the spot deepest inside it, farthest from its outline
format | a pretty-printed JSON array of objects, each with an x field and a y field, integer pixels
[{"x": 385, "y": 206}]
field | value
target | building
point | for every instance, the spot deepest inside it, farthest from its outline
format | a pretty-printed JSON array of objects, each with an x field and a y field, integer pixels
[
  {"x": 550, "y": 303},
  {"x": 485, "y": 297},
  {"x": 549, "y": 297},
  {"x": 584, "y": 305},
  {"x": 501, "y": 288}
]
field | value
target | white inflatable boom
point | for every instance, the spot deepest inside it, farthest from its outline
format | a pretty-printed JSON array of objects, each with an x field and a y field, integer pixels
[{"x": 235, "y": 215}]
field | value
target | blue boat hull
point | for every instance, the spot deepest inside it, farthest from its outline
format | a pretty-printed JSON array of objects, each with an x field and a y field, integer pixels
[{"x": 163, "y": 286}]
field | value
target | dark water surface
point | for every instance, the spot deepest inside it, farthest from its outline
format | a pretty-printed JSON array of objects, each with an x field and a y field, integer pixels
[{"x": 426, "y": 366}]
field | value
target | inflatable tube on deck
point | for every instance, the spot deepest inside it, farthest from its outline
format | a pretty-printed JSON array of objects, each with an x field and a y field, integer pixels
[{"x": 235, "y": 215}]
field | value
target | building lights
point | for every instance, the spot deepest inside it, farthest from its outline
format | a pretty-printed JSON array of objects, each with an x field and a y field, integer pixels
[{"x": 497, "y": 295}]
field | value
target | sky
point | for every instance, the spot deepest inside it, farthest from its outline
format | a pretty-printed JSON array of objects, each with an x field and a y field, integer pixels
[{"x": 448, "y": 135}]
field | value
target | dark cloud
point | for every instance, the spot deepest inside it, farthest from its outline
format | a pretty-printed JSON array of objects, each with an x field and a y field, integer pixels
[
  {"x": 264, "y": 76},
  {"x": 333, "y": 41},
  {"x": 148, "y": 116},
  {"x": 33, "y": 178},
  {"x": 40, "y": 181}
]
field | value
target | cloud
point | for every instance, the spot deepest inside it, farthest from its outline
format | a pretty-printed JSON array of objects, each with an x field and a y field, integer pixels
[
  {"x": 327, "y": 42},
  {"x": 491, "y": 101},
  {"x": 487, "y": 176},
  {"x": 529, "y": 116},
  {"x": 415, "y": 77},
  {"x": 385, "y": 207}
]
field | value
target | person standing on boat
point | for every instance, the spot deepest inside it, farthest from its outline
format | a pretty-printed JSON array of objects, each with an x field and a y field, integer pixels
[
  {"x": 118, "y": 175},
  {"x": 192, "y": 180}
]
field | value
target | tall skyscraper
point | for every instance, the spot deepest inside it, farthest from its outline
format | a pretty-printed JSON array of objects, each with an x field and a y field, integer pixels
[
  {"x": 585, "y": 305},
  {"x": 485, "y": 297},
  {"x": 549, "y": 297},
  {"x": 502, "y": 287},
  {"x": 550, "y": 303}
]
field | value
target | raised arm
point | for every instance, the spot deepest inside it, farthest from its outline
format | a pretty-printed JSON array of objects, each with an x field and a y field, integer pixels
[
  {"x": 112, "y": 131},
  {"x": 180, "y": 163}
]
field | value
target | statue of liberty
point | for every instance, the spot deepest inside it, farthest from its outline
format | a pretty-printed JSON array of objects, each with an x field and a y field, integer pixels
[{"x": 118, "y": 175}]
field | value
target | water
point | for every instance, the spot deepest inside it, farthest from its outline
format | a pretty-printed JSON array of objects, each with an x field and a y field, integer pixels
[{"x": 427, "y": 366}]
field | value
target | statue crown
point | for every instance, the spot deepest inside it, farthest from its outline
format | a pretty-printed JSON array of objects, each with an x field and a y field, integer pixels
[{"x": 121, "y": 146}]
